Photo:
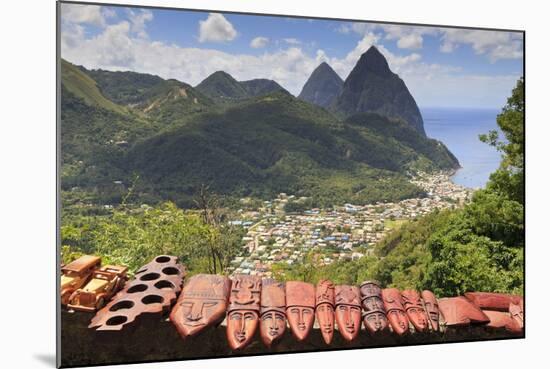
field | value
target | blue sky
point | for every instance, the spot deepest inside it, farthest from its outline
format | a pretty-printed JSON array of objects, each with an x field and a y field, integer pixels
[{"x": 441, "y": 67}]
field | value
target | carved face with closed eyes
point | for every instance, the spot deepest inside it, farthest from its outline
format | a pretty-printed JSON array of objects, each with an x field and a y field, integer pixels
[
  {"x": 202, "y": 303},
  {"x": 395, "y": 310},
  {"x": 241, "y": 325},
  {"x": 324, "y": 309},
  {"x": 244, "y": 310},
  {"x": 348, "y": 311},
  {"x": 300, "y": 303},
  {"x": 272, "y": 311}
]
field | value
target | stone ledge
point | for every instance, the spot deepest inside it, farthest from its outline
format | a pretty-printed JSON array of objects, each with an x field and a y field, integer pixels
[{"x": 154, "y": 340}]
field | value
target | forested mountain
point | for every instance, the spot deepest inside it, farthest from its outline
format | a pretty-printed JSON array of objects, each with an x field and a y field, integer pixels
[
  {"x": 223, "y": 88},
  {"x": 120, "y": 126}
]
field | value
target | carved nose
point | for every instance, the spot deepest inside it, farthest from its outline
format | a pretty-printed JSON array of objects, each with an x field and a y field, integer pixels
[{"x": 195, "y": 313}]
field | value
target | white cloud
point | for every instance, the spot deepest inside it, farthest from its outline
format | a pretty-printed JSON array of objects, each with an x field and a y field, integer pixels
[
  {"x": 259, "y": 42},
  {"x": 85, "y": 14},
  {"x": 138, "y": 21},
  {"x": 216, "y": 29},
  {"x": 292, "y": 41},
  {"x": 495, "y": 44},
  {"x": 120, "y": 47}
]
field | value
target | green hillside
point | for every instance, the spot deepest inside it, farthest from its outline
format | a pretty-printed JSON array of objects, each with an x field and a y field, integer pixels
[
  {"x": 277, "y": 143},
  {"x": 83, "y": 86},
  {"x": 175, "y": 139}
]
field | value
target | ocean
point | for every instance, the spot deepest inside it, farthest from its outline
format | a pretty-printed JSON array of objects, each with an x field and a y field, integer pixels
[{"x": 459, "y": 130}]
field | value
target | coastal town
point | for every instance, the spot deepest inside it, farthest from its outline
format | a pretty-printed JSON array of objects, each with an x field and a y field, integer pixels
[{"x": 346, "y": 232}]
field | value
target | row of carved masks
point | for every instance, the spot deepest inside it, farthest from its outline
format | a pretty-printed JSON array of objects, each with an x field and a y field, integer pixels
[{"x": 204, "y": 302}]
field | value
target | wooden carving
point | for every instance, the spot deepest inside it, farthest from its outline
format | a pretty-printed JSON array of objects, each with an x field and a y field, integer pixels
[
  {"x": 516, "y": 311},
  {"x": 272, "y": 311},
  {"x": 432, "y": 309},
  {"x": 244, "y": 310},
  {"x": 348, "y": 311},
  {"x": 300, "y": 304},
  {"x": 395, "y": 311},
  {"x": 459, "y": 311},
  {"x": 202, "y": 303},
  {"x": 324, "y": 309},
  {"x": 502, "y": 320},
  {"x": 374, "y": 318},
  {"x": 415, "y": 310},
  {"x": 492, "y": 300}
]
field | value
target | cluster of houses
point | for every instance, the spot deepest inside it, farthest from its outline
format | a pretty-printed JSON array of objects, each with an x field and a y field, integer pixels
[{"x": 341, "y": 233}]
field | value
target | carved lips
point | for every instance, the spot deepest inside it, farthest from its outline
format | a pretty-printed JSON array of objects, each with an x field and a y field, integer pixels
[
  {"x": 300, "y": 304},
  {"x": 374, "y": 318},
  {"x": 272, "y": 311},
  {"x": 348, "y": 311},
  {"x": 324, "y": 309},
  {"x": 244, "y": 309},
  {"x": 395, "y": 310},
  {"x": 202, "y": 304},
  {"x": 432, "y": 309},
  {"x": 415, "y": 310}
]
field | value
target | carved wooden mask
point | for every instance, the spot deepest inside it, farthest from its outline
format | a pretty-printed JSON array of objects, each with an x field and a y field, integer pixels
[
  {"x": 348, "y": 311},
  {"x": 459, "y": 311},
  {"x": 324, "y": 309},
  {"x": 272, "y": 311},
  {"x": 395, "y": 310},
  {"x": 202, "y": 303},
  {"x": 244, "y": 310},
  {"x": 374, "y": 318},
  {"x": 415, "y": 310},
  {"x": 432, "y": 309},
  {"x": 516, "y": 311},
  {"x": 300, "y": 304},
  {"x": 492, "y": 300}
]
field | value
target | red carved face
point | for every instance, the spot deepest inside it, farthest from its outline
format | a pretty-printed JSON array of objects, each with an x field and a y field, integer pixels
[
  {"x": 272, "y": 326},
  {"x": 399, "y": 321},
  {"x": 375, "y": 322},
  {"x": 196, "y": 314},
  {"x": 432, "y": 308},
  {"x": 241, "y": 325},
  {"x": 300, "y": 319},
  {"x": 325, "y": 317},
  {"x": 348, "y": 318},
  {"x": 417, "y": 317}
]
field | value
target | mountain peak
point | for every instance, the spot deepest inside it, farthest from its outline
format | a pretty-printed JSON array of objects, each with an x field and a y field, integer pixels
[
  {"x": 372, "y": 87},
  {"x": 375, "y": 61},
  {"x": 322, "y": 87}
]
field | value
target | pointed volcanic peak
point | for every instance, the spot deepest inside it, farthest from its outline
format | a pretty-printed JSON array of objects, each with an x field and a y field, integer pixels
[
  {"x": 373, "y": 87},
  {"x": 322, "y": 87}
]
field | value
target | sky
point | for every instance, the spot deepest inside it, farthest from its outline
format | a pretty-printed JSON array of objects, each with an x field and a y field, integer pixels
[{"x": 442, "y": 67}]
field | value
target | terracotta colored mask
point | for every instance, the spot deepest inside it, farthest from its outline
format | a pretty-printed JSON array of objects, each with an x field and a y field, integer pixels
[
  {"x": 415, "y": 310},
  {"x": 374, "y": 318},
  {"x": 432, "y": 309},
  {"x": 348, "y": 311},
  {"x": 202, "y": 304},
  {"x": 516, "y": 311},
  {"x": 300, "y": 304},
  {"x": 244, "y": 310},
  {"x": 395, "y": 310},
  {"x": 324, "y": 309},
  {"x": 272, "y": 311},
  {"x": 459, "y": 311}
]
